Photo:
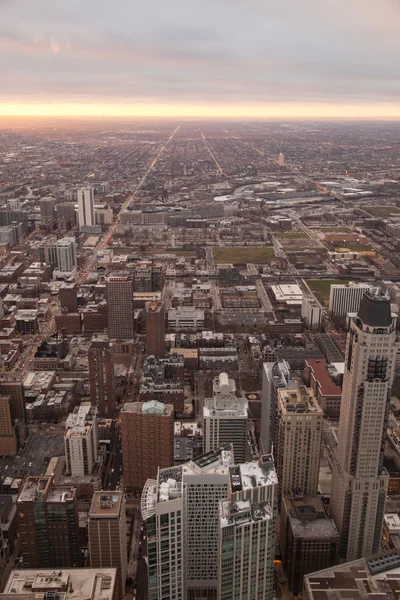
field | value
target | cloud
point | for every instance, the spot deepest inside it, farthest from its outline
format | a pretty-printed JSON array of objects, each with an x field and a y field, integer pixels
[{"x": 214, "y": 51}]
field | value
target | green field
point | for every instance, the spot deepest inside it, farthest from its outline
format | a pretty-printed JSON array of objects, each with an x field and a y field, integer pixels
[
  {"x": 243, "y": 255},
  {"x": 180, "y": 252},
  {"x": 322, "y": 287},
  {"x": 293, "y": 235},
  {"x": 382, "y": 211},
  {"x": 335, "y": 229}
]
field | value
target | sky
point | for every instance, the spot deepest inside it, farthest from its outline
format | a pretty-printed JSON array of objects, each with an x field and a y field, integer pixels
[{"x": 229, "y": 58}]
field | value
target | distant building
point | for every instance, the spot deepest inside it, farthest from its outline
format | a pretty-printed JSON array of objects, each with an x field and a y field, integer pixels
[
  {"x": 155, "y": 328},
  {"x": 66, "y": 254},
  {"x": 225, "y": 418},
  {"x": 107, "y": 535},
  {"x": 8, "y": 439},
  {"x": 147, "y": 441},
  {"x": 66, "y": 211},
  {"x": 86, "y": 214},
  {"x": 101, "y": 375},
  {"x": 47, "y": 209},
  {"x": 327, "y": 392},
  {"x": 345, "y": 299},
  {"x": 68, "y": 296},
  {"x": 80, "y": 440},
  {"x": 120, "y": 306},
  {"x": 275, "y": 375},
  {"x": 186, "y": 318},
  {"x": 281, "y": 159},
  {"x": 311, "y": 311}
]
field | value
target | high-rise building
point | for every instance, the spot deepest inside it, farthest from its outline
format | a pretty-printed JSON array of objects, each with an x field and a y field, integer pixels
[
  {"x": 311, "y": 311},
  {"x": 15, "y": 390},
  {"x": 281, "y": 159},
  {"x": 66, "y": 210},
  {"x": 359, "y": 481},
  {"x": 47, "y": 209},
  {"x": 68, "y": 296},
  {"x": 225, "y": 418},
  {"x": 80, "y": 440},
  {"x": 298, "y": 448},
  {"x": 49, "y": 524},
  {"x": 308, "y": 539},
  {"x": 101, "y": 375},
  {"x": 120, "y": 306},
  {"x": 155, "y": 328},
  {"x": 345, "y": 299},
  {"x": 8, "y": 439},
  {"x": 247, "y": 524},
  {"x": 275, "y": 375},
  {"x": 107, "y": 534},
  {"x": 66, "y": 254},
  {"x": 86, "y": 215},
  {"x": 147, "y": 441},
  {"x": 180, "y": 509}
]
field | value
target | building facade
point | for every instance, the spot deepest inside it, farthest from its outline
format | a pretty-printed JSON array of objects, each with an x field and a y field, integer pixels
[
  {"x": 275, "y": 375},
  {"x": 101, "y": 375},
  {"x": 311, "y": 311},
  {"x": 155, "y": 328},
  {"x": 345, "y": 299},
  {"x": 80, "y": 440},
  {"x": 86, "y": 214},
  {"x": 120, "y": 306}
]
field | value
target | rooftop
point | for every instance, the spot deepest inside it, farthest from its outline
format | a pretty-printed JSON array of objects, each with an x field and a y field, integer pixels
[
  {"x": 322, "y": 375},
  {"x": 253, "y": 474},
  {"x": 298, "y": 400},
  {"x": 106, "y": 505}
]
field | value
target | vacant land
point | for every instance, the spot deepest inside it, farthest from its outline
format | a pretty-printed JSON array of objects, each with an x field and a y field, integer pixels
[
  {"x": 243, "y": 255},
  {"x": 322, "y": 287},
  {"x": 180, "y": 252},
  {"x": 382, "y": 211}
]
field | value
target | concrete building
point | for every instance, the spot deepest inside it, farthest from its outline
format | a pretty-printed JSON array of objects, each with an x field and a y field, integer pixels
[
  {"x": 101, "y": 375},
  {"x": 147, "y": 441},
  {"x": 66, "y": 254},
  {"x": 107, "y": 535},
  {"x": 66, "y": 211},
  {"x": 68, "y": 296},
  {"x": 327, "y": 392},
  {"x": 48, "y": 524},
  {"x": 281, "y": 159},
  {"x": 120, "y": 306},
  {"x": 86, "y": 214},
  {"x": 359, "y": 481},
  {"x": 155, "y": 328},
  {"x": 225, "y": 418},
  {"x": 275, "y": 375},
  {"x": 80, "y": 440},
  {"x": 247, "y": 524},
  {"x": 15, "y": 390},
  {"x": 308, "y": 539},
  {"x": 311, "y": 311},
  {"x": 8, "y": 439},
  {"x": 68, "y": 584},
  {"x": 345, "y": 299},
  {"x": 47, "y": 209},
  {"x": 180, "y": 509},
  {"x": 372, "y": 578},
  {"x": 186, "y": 318},
  {"x": 298, "y": 448}
]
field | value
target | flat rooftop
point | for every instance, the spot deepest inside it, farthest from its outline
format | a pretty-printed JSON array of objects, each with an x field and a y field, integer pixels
[{"x": 106, "y": 505}]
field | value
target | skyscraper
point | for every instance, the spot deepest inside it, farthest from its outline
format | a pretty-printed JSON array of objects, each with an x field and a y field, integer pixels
[
  {"x": 15, "y": 390},
  {"x": 275, "y": 375},
  {"x": 49, "y": 524},
  {"x": 8, "y": 439},
  {"x": 247, "y": 524},
  {"x": 359, "y": 481},
  {"x": 47, "y": 209},
  {"x": 298, "y": 447},
  {"x": 86, "y": 216},
  {"x": 225, "y": 418},
  {"x": 107, "y": 534},
  {"x": 101, "y": 375},
  {"x": 155, "y": 328},
  {"x": 66, "y": 254},
  {"x": 345, "y": 299},
  {"x": 80, "y": 440},
  {"x": 147, "y": 441},
  {"x": 281, "y": 159},
  {"x": 120, "y": 306}
]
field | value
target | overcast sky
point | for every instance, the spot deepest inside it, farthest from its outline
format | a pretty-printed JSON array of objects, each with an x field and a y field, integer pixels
[{"x": 203, "y": 52}]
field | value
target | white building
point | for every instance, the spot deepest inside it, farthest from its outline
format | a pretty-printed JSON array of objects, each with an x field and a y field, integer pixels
[
  {"x": 289, "y": 293},
  {"x": 225, "y": 418},
  {"x": 86, "y": 214},
  {"x": 359, "y": 481},
  {"x": 247, "y": 529},
  {"x": 66, "y": 254},
  {"x": 345, "y": 299},
  {"x": 80, "y": 440},
  {"x": 275, "y": 375},
  {"x": 181, "y": 513},
  {"x": 186, "y": 317},
  {"x": 311, "y": 311},
  {"x": 281, "y": 159}
]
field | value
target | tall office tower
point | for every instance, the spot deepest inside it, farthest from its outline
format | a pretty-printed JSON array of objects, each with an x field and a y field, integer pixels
[
  {"x": 155, "y": 328},
  {"x": 247, "y": 525},
  {"x": 147, "y": 441},
  {"x": 49, "y": 524},
  {"x": 66, "y": 254},
  {"x": 359, "y": 481},
  {"x": 8, "y": 439},
  {"x": 15, "y": 390},
  {"x": 298, "y": 448},
  {"x": 311, "y": 311},
  {"x": 120, "y": 306},
  {"x": 101, "y": 375},
  {"x": 345, "y": 299},
  {"x": 68, "y": 296},
  {"x": 47, "y": 209},
  {"x": 48, "y": 254},
  {"x": 80, "y": 440},
  {"x": 107, "y": 535},
  {"x": 86, "y": 216},
  {"x": 281, "y": 159},
  {"x": 66, "y": 210},
  {"x": 180, "y": 509},
  {"x": 225, "y": 418},
  {"x": 275, "y": 375}
]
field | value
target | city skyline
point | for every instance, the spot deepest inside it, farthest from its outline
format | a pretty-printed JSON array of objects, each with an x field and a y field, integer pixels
[{"x": 217, "y": 59}]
